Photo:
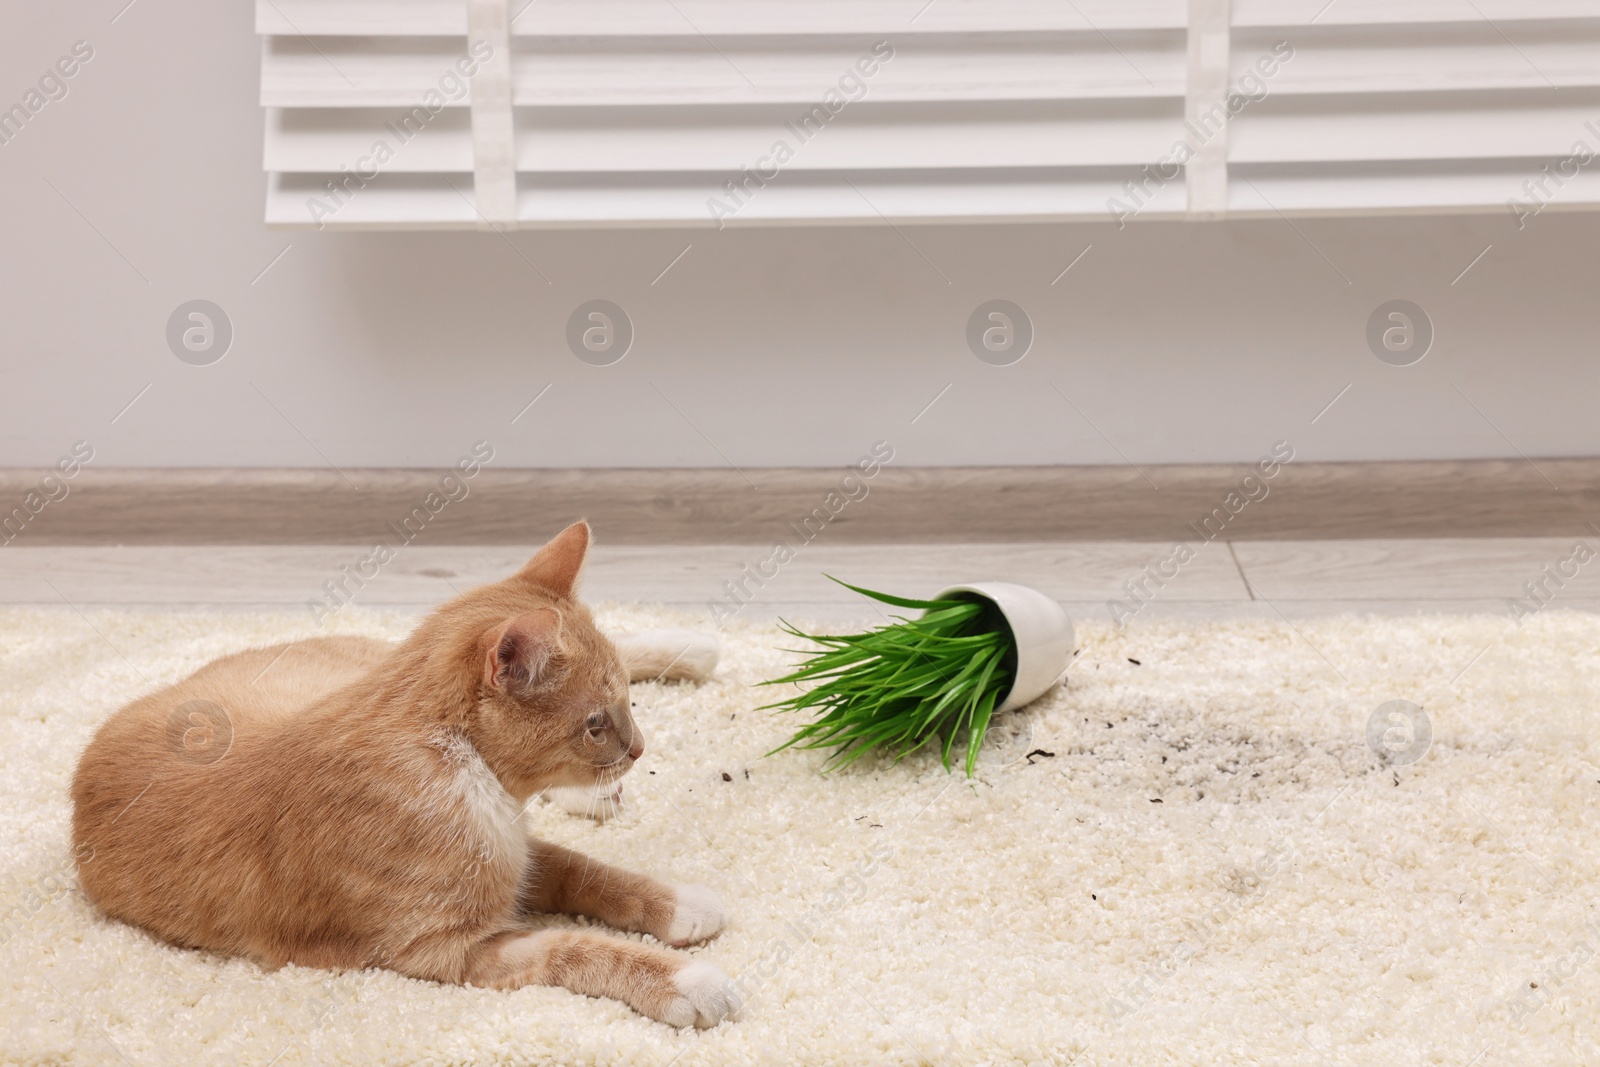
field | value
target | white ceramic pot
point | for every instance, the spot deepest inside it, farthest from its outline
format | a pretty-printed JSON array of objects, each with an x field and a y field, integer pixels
[{"x": 1042, "y": 632}]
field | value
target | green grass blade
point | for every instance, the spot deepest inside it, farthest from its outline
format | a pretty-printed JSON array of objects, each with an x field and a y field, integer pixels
[{"x": 885, "y": 598}]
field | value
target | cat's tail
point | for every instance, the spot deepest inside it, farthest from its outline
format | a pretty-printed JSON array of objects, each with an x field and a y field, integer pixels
[{"x": 669, "y": 655}]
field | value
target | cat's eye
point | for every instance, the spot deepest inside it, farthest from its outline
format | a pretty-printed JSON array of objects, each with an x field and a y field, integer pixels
[{"x": 596, "y": 722}]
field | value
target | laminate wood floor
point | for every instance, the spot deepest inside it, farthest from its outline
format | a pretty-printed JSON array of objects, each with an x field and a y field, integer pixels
[{"x": 1245, "y": 579}]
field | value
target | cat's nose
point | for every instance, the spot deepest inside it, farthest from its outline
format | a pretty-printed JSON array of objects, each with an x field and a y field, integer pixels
[{"x": 636, "y": 749}]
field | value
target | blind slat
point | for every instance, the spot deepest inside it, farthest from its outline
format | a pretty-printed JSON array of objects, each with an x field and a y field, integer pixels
[
  {"x": 694, "y": 18},
  {"x": 661, "y": 140},
  {"x": 438, "y": 201},
  {"x": 372, "y": 72}
]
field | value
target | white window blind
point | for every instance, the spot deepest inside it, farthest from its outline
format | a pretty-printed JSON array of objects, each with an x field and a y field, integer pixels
[{"x": 405, "y": 114}]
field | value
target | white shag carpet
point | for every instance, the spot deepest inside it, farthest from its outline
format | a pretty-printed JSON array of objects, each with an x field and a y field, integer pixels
[{"x": 1209, "y": 866}]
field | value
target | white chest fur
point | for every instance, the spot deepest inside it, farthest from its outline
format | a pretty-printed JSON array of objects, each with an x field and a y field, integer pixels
[{"x": 491, "y": 817}]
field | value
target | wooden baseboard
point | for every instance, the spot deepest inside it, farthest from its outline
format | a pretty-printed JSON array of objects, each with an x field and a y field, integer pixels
[{"x": 1478, "y": 498}]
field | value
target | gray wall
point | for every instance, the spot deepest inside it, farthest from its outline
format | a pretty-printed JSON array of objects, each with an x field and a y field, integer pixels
[{"x": 1180, "y": 342}]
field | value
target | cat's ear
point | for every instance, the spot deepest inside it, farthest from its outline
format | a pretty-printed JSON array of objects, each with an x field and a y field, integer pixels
[
  {"x": 555, "y": 567},
  {"x": 519, "y": 650}
]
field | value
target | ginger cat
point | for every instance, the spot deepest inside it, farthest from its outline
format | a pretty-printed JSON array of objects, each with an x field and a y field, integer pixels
[{"x": 366, "y": 810}]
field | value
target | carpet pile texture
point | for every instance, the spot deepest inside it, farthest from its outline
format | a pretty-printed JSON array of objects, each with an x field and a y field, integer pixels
[{"x": 1189, "y": 853}]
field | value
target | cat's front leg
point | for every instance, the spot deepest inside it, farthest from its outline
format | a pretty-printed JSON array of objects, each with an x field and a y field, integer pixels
[
  {"x": 570, "y": 883},
  {"x": 652, "y": 981}
]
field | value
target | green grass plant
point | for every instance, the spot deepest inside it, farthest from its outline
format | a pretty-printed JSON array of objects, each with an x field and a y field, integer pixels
[{"x": 896, "y": 688}]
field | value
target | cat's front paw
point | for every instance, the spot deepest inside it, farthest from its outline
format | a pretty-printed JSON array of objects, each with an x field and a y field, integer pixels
[
  {"x": 705, "y": 997},
  {"x": 699, "y": 915}
]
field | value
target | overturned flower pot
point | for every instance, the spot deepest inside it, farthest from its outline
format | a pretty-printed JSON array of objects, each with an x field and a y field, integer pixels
[
  {"x": 973, "y": 652},
  {"x": 1041, "y": 633}
]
